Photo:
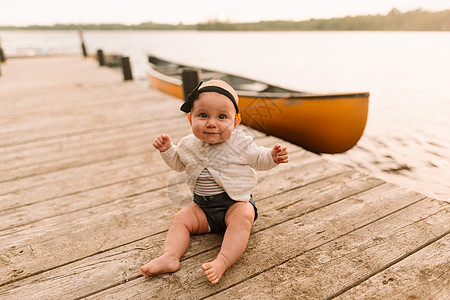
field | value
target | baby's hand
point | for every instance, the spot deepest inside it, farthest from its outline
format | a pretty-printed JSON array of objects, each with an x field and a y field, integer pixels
[
  {"x": 280, "y": 154},
  {"x": 162, "y": 142}
]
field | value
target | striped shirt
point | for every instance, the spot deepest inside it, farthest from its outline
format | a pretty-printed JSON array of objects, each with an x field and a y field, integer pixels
[{"x": 206, "y": 185}]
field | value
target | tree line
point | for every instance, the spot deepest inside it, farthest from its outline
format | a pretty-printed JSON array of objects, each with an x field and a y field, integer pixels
[{"x": 415, "y": 20}]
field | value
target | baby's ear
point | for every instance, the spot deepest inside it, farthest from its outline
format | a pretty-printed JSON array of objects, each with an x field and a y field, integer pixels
[
  {"x": 189, "y": 118},
  {"x": 237, "y": 120}
]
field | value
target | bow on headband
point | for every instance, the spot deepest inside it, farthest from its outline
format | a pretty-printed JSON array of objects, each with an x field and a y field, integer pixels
[{"x": 187, "y": 105}]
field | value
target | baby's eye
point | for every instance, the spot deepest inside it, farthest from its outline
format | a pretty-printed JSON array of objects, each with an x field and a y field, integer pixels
[
  {"x": 222, "y": 116},
  {"x": 202, "y": 115}
]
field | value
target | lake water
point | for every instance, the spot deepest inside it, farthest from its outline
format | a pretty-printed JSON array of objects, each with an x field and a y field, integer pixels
[{"x": 406, "y": 140}]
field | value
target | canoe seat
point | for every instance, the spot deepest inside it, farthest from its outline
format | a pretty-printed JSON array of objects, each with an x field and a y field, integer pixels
[
  {"x": 254, "y": 87},
  {"x": 211, "y": 75},
  {"x": 169, "y": 70}
]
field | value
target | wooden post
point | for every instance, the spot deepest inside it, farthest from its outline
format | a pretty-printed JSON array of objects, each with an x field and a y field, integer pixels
[
  {"x": 83, "y": 46},
  {"x": 2, "y": 54},
  {"x": 190, "y": 78},
  {"x": 100, "y": 57},
  {"x": 126, "y": 68},
  {"x": 2, "y": 57}
]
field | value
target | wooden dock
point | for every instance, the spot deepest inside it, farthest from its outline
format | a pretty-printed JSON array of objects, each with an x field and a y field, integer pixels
[{"x": 85, "y": 200}]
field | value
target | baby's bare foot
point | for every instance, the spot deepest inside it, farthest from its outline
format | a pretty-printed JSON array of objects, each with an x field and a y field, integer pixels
[
  {"x": 214, "y": 270},
  {"x": 166, "y": 263}
]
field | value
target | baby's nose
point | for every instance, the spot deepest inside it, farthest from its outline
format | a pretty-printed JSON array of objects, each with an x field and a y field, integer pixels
[{"x": 211, "y": 123}]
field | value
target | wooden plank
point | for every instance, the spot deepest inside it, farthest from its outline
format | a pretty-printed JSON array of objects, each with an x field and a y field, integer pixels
[
  {"x": 118, "y": 179},
  {"x": 98, "y": 180},
  {"x": 46, "y": 237},
  {"x": 40, "y": 73},
  {"x": 138, "y": 103},
  {"x": 62, "y": 153},
  {"x": 325, "y": 271},
  {"x": 142, "y": 105},
  {"x": 88, "y": 101},
  {"x": 47, "y": 128},
  {"x": 423, "y": 275},
  {"x": 45, "y": 186},
  {"x": 271, "y": 247},
  {"x": 120, "y": 265},
  {"x": 108, "y": 192},
  {"x": 41, "y": 157},
  {"x": 60, "y": 183}
]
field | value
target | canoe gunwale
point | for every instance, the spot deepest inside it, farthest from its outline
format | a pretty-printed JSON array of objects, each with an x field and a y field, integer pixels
[{"x": 252, "y": 94}]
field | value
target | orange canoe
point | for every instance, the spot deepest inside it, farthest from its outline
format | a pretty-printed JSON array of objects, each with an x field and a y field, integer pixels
[{"x": 321, "y": 123}]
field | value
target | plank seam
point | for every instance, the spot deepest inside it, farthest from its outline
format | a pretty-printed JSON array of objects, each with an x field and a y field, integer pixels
[
  {"x": 81, "y": 132},
  {"x": 89, "y": 189},
  {"x": 312, "y": 249},
  {"x": 73, "y": 167},
  {"x": 92, "y": 206},
  {"x": 388, "y": 265},
  {"x": 82, "y": 164},
  {"x": 79, "y": 259},
  {"x": 86, "y": 190}
]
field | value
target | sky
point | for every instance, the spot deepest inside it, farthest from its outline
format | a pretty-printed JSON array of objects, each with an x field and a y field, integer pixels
[{"x": 50, "y": 12}]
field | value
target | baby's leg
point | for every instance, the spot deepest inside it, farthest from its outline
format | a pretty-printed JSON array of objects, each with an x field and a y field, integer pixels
[
  {"x": 189, "y": 220},
  {"x": 239, "y": 220}
]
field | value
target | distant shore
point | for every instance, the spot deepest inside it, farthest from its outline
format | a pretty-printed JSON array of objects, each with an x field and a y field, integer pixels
[{"x": 415, "y": 20}]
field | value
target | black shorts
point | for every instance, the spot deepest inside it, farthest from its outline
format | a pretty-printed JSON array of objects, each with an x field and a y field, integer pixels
[{"x": 216, "y": 207}]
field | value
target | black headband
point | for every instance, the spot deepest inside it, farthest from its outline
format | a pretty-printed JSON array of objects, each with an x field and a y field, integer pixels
[{"x": 187, "y": 105}]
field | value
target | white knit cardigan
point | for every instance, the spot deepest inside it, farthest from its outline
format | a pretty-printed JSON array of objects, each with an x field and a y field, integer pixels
[{"x": 230, "y": 163}]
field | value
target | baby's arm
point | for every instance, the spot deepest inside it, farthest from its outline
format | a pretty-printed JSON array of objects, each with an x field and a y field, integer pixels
[
  {"x": 263, "y": 159},
  {"x": 162, "y": 142},
  {"x": 168, "y": 152},
  {"x": 280, "y": 154}
]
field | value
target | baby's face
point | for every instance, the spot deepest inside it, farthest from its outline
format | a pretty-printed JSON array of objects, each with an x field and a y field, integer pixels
[{"x": 213, "y": 118}]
